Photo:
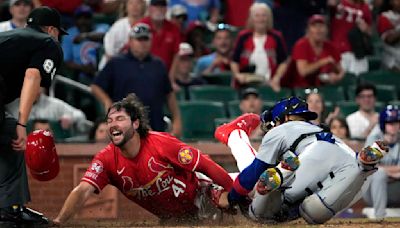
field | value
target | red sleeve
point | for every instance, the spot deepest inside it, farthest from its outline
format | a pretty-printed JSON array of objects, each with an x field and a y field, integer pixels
[
  {"x": 215, "y": 172},
  {"x": 300, "y": 51},
  {"x": 383, "y": 24},
  {"x": 177, "y": 36},
  {"x": 96, "y": 174}
]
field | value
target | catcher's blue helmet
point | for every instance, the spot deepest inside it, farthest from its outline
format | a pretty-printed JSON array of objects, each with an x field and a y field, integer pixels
[
  {"x": 390, "y": 114},
  {"x": 288, "y": 106}
]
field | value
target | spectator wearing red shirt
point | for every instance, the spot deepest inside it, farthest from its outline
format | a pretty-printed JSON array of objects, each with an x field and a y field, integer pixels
[
  {"x": 166, "y": 35},
  {"x": 389, "y": 29},
  {"x": 347, "y": 15},
  {"x": 259, "y": 51},
  {"x": 315, "y": 61}
]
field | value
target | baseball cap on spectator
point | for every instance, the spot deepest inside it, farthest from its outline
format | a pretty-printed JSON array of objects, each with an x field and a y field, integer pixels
[
  {"x": 14, "y": 2},
  {"x": 247, "y": 92},
  {"x": 158, "y": 2},
  {"x": 46, "y": 16},
  {"x": 179, "y": 10},
  {"x": 140, "y": 30},
  {"x": 185, "y": 50},
  {"x": 83, "y": 10},
  {"x": 196, "y": 25},
  {"x": 316, "y": 18}
]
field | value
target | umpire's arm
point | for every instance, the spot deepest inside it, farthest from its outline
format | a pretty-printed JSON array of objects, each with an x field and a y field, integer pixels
[
  {"x": 74, "y": 202},
  {"x": 29, "y": 91}
]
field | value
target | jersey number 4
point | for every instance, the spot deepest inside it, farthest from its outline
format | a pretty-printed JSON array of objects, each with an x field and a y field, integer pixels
[{"x": 178, "y": 187}]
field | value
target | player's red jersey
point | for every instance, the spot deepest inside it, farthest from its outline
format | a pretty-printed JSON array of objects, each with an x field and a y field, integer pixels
[
  {"x": 344, "y": 18},
  {"x": 160, "y": 178},
  {"x": 302, "y": 50}
]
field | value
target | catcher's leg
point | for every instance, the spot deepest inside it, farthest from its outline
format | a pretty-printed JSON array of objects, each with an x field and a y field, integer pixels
[{"x": 344, "y": 188}]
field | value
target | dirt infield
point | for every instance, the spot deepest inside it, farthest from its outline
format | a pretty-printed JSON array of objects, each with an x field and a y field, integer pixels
[{"x": 235, "y": 222}]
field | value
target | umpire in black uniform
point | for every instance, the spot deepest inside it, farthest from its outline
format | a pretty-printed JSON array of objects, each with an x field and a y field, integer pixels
[{"x": 29, "y": 59}]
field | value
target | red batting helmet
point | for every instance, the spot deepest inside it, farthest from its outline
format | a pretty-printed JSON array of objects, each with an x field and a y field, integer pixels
[{"x": 41, "y": 156}]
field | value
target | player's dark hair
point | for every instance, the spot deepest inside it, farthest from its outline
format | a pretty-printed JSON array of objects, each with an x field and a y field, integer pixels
[
  {"x": 132, "y": 105},
  {"x": 365, "y": 86}
]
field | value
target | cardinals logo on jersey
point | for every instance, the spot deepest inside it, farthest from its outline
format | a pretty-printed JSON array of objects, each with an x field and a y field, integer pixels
[
  {"x": 185, "y": 156},
  {"x": 157, "y": 167}
]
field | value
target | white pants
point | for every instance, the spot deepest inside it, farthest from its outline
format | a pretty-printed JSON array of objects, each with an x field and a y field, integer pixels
[{"x": 320, "y": 163}]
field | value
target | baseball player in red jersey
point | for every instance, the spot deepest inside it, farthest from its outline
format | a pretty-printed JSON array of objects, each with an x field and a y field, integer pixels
[{"x": 153, "y": 169}]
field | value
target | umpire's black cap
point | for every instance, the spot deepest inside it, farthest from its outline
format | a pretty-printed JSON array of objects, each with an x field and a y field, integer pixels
[{"x": 46, "y": 16}]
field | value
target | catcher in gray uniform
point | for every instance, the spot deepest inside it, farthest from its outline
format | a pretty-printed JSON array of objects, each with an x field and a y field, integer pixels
[{"x": 327, "y": 179}]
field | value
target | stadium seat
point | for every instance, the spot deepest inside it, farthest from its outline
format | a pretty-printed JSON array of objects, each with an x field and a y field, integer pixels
[
  {"x": 385, "y": 93},
  {"x": 222, "y": 94},
  {"x": 198, "y": 119},
  {"x": 223, "y": 78},
  {"x": 213, "y": 93},
  {"x": 382, "y": 77},
  {"x": 267, "y": 94},
  {"x": 220, "y": 121}
]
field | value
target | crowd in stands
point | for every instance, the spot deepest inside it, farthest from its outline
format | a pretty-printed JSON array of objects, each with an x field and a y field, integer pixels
[{"x": 342, "y": 56}]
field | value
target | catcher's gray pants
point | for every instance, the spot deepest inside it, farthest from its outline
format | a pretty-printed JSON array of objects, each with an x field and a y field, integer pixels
[
  {"x": 382, "y": 192},
  {"x": 14, "y": 187}
]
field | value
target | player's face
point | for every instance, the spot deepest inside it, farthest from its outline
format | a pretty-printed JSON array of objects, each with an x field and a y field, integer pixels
[
  {"x": 392, "y": 131},
  {"x": 120, "y": 127}
]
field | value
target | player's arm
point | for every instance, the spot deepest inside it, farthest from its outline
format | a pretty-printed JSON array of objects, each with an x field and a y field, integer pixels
[
  {"x": 30, "y": 89},
  {"x": 74, "y": 202},
  {"x": 214, "y": 171},
  {"x": 246, "y": 180}
]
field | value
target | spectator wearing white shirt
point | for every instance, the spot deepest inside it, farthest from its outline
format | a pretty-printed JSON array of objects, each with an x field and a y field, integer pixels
[
  {"x": 362, "y": 121},
  {"x": 19, "y": 10},
  {"x": 116, "y": 39},
  {"x": 52, "y": 109}
]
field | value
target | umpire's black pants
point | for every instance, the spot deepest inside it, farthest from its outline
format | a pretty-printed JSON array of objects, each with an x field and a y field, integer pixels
[{"x": 14, "y": 188}]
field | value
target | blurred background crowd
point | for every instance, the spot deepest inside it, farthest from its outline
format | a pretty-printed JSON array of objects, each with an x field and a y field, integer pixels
[{"x": 199, "y": 63}]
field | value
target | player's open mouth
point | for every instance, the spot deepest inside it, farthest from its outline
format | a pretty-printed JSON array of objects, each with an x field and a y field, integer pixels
[{"x": 116, "y": 133}]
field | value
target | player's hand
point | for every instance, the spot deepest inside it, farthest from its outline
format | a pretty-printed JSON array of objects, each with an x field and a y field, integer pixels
[{"x": 19, "y": 144}]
